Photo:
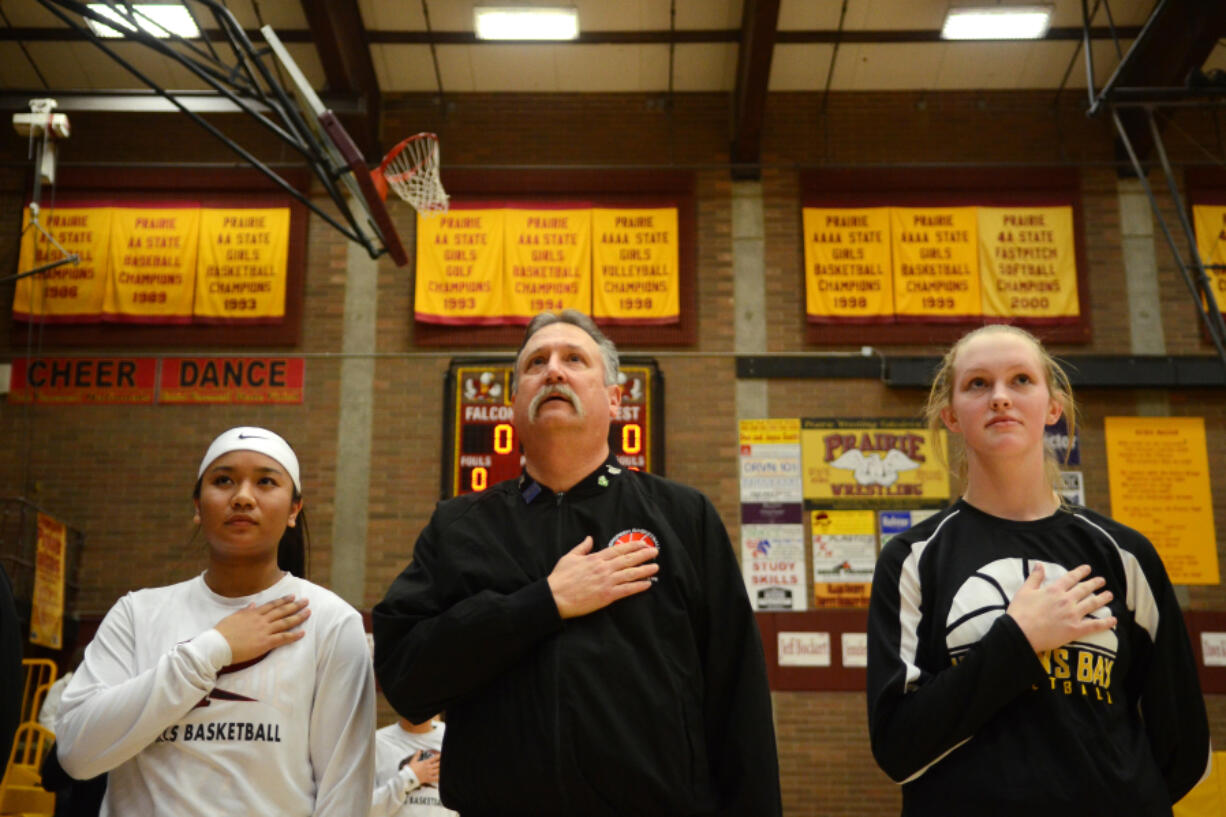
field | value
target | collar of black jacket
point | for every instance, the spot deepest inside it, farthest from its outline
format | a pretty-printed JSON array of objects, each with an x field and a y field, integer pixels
[{"x": 593, "y": 483}]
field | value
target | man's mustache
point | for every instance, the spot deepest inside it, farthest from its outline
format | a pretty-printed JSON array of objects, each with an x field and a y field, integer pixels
[{"x": 556, "y": 390}]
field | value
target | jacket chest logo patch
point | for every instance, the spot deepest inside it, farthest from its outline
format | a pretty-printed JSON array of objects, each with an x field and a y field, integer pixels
[{"x": 638, "y": 535}]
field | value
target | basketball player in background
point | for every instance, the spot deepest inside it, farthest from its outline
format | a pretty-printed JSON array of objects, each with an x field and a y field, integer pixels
[{"x": 1026, "y": 656}]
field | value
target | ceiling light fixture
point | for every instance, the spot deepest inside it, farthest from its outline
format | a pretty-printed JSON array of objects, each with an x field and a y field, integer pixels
[
  {"x": 159, "y": 19},
  {"x": 997, "y": 23},
  {"x": 526, "y": 22}
]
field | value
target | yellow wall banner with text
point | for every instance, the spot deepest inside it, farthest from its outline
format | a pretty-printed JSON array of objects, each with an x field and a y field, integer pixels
[
  {"x": 936, "y": 263},
  {"x": 1158, "y": 472},
  {"x": 1210, "y": 223},
  {"x": 47, "y": 603},
  {"x": 635, "y": 266},
  {"x": 153, "y": 265},
  {"x": 241, "y": 266},
  {"x": 71, "y": 292},
  {"x": 459, "y": 267},
  {"x": 548, "y": 262},
  {"x": 1027, "y": 262},
  {"x": 848, "y": 273},
  {"x": 872, "y": 462}
]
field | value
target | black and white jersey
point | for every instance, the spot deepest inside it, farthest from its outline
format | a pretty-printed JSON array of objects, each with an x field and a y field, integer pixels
[{"x": 965, "y": 714}]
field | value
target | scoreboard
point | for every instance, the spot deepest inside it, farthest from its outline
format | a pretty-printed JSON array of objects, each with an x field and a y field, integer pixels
[{"x": 481, "y": 448}]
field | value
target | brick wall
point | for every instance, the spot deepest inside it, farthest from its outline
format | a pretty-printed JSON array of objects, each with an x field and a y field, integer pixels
[{"x": 124, "y": 475}]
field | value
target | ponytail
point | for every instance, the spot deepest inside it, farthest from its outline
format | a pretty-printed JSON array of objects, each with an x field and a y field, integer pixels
[{"x": 294, "y": 549}]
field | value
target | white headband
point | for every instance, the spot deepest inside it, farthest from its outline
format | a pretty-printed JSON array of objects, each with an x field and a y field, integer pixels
[{"x": 252, "y": 438}]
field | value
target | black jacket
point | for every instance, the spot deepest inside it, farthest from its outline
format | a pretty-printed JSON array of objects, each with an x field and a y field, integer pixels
[{"x": 655, "y": 705}]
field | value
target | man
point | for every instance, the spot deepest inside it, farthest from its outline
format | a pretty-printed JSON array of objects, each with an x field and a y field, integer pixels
[{"x": 585, "y": 627}]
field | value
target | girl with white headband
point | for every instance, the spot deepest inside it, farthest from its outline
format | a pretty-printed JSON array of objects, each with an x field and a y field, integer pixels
[{"x": 246, "y": 690}]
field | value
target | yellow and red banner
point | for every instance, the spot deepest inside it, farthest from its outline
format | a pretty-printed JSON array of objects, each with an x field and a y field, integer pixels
[
  {"x": 635, "y": 265},
  {"x": 153, "y": 265},
  {"x": 1210, "y": 225},
  {"x": 83, "y": 380},
  {"x": 848, "y": 269},
  {"x": 936, "y": 263},
  {"x": 1028, "y": 262},
  {"x": 232, "y": 380},
  {"x": 1158, "y": 473},
  {"x": 494, "y": 263},
  {"x": 850, "y": 461},
  {"x": 241, "y": 266},
  {"x": 459, "y": 267},
  {"x": 47, "y": 603},
  {"x": 69, "y": 293},
  {"x": 548, "y": 262}
]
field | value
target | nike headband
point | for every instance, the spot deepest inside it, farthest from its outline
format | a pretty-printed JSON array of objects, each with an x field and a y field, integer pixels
[{"x": 252, "y": 438}]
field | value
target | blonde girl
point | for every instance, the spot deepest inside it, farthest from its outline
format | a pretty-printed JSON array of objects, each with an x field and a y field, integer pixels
[{"x": 1026, "y": 656}]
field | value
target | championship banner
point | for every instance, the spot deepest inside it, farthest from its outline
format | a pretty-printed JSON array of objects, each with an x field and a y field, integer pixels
[
  {"x": 47, "y": 602},
  {"x": 1028, "y": 263},
  {"x": 69, "y": 293},
  {"x": 1158, "y": 473},
  {"x": 459, "y": 267},
  {"x": 243, "y": 380},
  {"x": 844, "y": 555},
  {"x": 241, "y": 267},
  {"x": 83, "y": 380},
  {"x": 848, "y": 274},
  {"x": 548, "y": 261},
  {"x": 152, "y": 265},
  {"x": 1210, "y": 224},
  {"x": 936, "y": 263},
  {"x": 880, "y": 463},
  {"x": 636, "y": 271}
]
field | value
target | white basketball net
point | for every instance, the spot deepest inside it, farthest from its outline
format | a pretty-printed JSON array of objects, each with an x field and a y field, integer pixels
[{"x": 411, "y": 169}]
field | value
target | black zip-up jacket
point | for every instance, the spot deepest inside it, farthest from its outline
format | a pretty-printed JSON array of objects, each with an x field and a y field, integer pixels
[{"x": 655, "y": 705}]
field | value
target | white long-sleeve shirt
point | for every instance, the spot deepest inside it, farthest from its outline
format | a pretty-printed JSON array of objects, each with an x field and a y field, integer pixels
[
  {"x": 398, "y": 792},
  {"x": 156, "y": 704}
]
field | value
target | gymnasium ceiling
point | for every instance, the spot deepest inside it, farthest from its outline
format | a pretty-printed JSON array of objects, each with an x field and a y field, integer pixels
[{"x": 358, "y": 54}]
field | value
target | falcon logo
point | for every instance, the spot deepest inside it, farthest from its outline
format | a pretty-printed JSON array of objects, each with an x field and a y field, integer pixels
[{"x": 639, "y": 535}]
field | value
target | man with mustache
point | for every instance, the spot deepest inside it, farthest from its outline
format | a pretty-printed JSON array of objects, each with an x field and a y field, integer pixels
[{"x": 585, "y": 627}]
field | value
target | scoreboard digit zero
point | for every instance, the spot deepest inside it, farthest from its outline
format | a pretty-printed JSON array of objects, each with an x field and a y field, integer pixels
[{"x": 481, "y": 448}]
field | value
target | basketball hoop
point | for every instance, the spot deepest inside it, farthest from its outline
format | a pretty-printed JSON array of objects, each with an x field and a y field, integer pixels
[{"x": 411, "y": 169}]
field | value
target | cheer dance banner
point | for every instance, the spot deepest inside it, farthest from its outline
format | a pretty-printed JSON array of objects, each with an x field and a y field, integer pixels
[
  {"x": 935, "y": 264},
  {"x": 156, "y": 265},
  {"x": 495, "y": 263}
]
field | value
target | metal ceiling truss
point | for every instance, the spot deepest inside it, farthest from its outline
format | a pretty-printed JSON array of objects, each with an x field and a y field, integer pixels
[
  {"x": 1159, "y": 72},
  {"x": 242, "y": 77}
]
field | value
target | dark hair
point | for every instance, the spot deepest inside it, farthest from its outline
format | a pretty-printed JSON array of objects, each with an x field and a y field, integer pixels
[
  {"x": 608, "y": 351},
  {"x": 294, "y": 549}
]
